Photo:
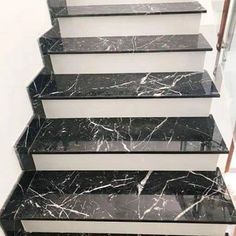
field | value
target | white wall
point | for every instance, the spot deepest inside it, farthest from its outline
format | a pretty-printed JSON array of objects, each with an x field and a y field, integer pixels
[{"x": 21, "y": 24}]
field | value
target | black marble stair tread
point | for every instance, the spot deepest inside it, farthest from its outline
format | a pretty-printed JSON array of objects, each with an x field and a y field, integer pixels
[
  {"x": 132, "y": 9},
  {"x": 130, "y": 196},
  {"x": 131, "y": 44},
  {"x": 128, "y": 85},
  {"x": 129, "y": 135}
]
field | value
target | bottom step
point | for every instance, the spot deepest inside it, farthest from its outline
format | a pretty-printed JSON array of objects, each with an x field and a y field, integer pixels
[{"x": 120, "y": 202}]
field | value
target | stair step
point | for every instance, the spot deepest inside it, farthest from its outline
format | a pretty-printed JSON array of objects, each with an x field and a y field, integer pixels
[
  {"x": 148, "y": 143},
  {"x": 132, "y": 9},
  {"x": 129, "y": 19},
  {"x": 127, "y": 135},
  {"x": 127, "y": 54},
  {"x": 128, "y": 144},
  {"x": 177, "y": 202},
  {"x": 130, "y": 85},
  {"x": 131, "y": 44},
  {"x": 79, "y": 96}
]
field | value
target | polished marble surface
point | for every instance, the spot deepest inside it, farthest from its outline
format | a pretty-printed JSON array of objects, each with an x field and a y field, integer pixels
[
  {"x": 25, "y": 141},
  {"x": 129, "y": 44},
  {"x": 55, "y": 6},
  {"x": 149, "y": 85},
  {"x": 46, "y": 41},
  {"x": 132, "y": 9},
  {"x": 162, "y": 196},
  {"x": 35, "y": 88},
  {"x": 129, "y": 135}
]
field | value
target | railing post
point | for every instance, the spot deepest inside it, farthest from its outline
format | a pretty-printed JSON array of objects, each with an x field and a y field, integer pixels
[
  {"x": 221, "y": 32},
  {"x": 231, "y": 152},
  {"x": 230, "y": 157},
  {"x": 223, "y": 25}
]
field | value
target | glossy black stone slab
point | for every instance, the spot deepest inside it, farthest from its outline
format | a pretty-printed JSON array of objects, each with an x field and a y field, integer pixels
[
  {"x": 10, "y": 225},
  {"x": 25, "y": 141},
  {"x": 130, "y": 44},
  {"x": 149, "y": 85},
  {"x": 129, "y": 135},
  {"x": 35, "y": 88},
  {"x": 46, "y": 41},
  {"x": 131, "y": 196},
  {"x": 132, "y": 9},
  {"x": 55, "y": 6}
]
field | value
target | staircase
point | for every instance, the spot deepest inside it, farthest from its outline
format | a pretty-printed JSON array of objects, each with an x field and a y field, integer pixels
[{"x": 122, "y": 140}]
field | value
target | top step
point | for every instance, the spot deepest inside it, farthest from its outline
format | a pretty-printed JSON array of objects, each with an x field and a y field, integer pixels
[{"x": 132, "y": 9}]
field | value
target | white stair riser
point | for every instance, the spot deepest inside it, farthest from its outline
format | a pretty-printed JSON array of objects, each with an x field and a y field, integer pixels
[
  {"x": 130, "y": 25},
  {"x": 171, "y": 107},
  {"x": 158, "y": 162},
  {"x": 110, "y": 2},
  {"x": 124, "y": 227},
  {"x": 127, "y": 62}
]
